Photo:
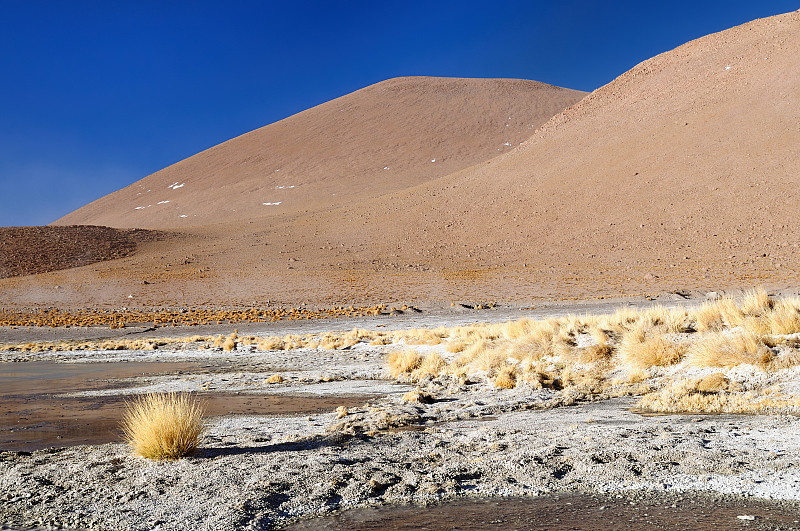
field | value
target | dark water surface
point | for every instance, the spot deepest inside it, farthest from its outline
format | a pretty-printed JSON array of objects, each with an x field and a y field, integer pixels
[
  {"x": 563, "y": 512},
  {"x": 32, "y": 417}
]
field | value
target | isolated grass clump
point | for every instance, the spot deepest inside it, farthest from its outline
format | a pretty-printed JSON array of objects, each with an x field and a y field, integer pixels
[{"x": 163, "y": 425}]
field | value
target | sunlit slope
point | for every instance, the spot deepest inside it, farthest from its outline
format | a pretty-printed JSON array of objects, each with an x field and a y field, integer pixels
[
  {"x": 689, "y": 162},
  {"x": 385, "y": 137}
]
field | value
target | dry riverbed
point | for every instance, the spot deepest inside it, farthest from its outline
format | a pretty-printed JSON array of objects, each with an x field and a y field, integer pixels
[{"x": 465, "y": 439}]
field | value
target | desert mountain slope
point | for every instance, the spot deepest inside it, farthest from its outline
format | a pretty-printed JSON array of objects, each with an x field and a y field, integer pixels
[
  {"x": 687, "y": 165},
  {"x": 681, "y": 174},
  {"x": 383, "y": 138}
]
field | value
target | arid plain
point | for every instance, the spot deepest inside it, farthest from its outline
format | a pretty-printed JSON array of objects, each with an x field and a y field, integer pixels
[{"x": 429, "y": 289}]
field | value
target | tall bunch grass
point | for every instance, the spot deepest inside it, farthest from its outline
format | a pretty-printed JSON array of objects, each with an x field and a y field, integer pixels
[{"x": 163, "y": 425}]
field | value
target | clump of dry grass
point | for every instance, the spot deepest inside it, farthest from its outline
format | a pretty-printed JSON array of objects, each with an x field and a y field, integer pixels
[
  {"x": 712, "y": 383},
  {"x": 718, "y": 315},
  {"x": 270, "y": 343},
  {"x": 640, "y": 351},
  {"x": 432, "y": 365},
  {"x": 163, "y": 425},
  {"x": 230, "y": 343},
  {"x": 785, "y": 316},
  {"x": 403, "y": 363},
  {"x": 506, "y": 377},
  {"x": 595, "y": 353},
  {"x": 275, "y": 378},
  {"x": 418, "y": 396},
  {"x": 729, "y": 350},
  {"x": 757, "y": 302}
]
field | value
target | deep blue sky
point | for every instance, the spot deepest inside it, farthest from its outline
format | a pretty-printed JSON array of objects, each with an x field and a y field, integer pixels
[{"x": 96, "y": 95}]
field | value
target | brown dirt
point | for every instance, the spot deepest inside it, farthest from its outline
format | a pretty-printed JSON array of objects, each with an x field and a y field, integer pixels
[
  {"x": 681, "y": 174},
  {"x": 33, "y": 250},
  {"x": 574, "y": 512}
]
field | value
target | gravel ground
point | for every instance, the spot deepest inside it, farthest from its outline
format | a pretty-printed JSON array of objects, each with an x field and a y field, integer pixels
[
  {"x": 259, "y": 473},
  {"x": 471, "y": 441}
]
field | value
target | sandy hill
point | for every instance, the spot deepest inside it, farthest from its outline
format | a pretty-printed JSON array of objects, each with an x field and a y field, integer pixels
[
  {"x": 681, "y": 174},
  {"x": 385, "y": 137}
]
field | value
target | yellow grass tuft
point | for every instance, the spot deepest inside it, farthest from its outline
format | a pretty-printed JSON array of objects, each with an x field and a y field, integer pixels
[
  {"x": 717, "y": 315},
  {"x": 640, "y": 349},
  {"x": 785, "y": 316},
  {"x": 506, "y": 377},
  {"x": 402, "y": 363},
  {"x": 595, "y": 353},
  {"x": 713, "y": 383},
  {"x": 432, "y": 365},
  {"x": 757, "y": 302},
  {"x": 275, "y": 378},
  {"x": 270, "y": 343},
  {"x": 163, "y": 425},
  {"x": 229, "y": 344},
  {"x": 418, "y": 396},
  {"x": 727, "y": 351}
]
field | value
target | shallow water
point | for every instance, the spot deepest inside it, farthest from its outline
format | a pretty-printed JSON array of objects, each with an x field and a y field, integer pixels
[
  {"x": 33, "y": 417},
  {"x": 567, "y": 512}
]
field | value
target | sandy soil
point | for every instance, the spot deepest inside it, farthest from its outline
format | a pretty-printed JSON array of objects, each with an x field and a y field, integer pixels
[{"x": 471, "y": 441}]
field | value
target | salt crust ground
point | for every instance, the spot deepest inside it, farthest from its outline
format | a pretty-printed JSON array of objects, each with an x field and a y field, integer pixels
[{"x": 260, "y": 472}]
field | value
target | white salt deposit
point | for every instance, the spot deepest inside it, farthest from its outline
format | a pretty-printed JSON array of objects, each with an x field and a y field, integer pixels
[
  {"x": 272, "y": 204},
  {"x": 162, "y": 202}
]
